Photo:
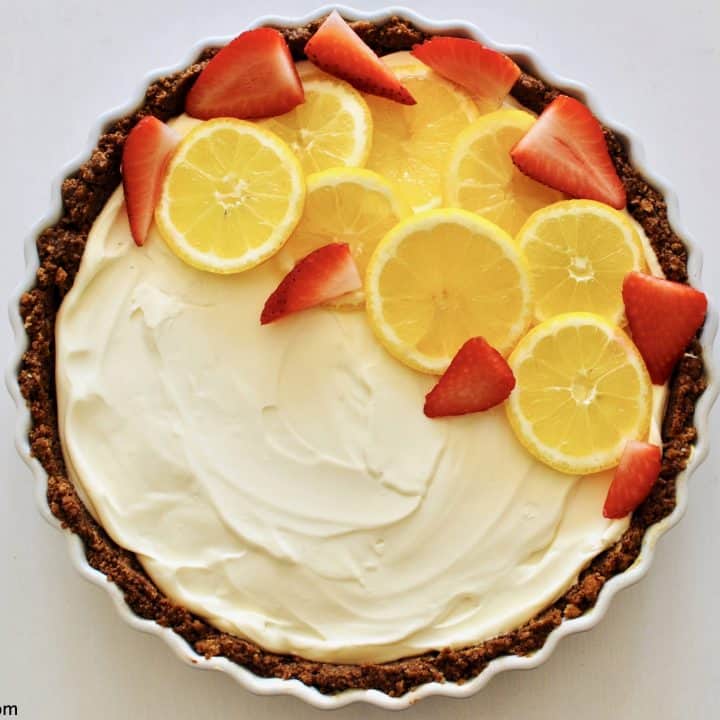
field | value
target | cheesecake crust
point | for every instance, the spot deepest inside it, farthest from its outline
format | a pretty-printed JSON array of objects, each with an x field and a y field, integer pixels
[{"x": 60, "y": 248}]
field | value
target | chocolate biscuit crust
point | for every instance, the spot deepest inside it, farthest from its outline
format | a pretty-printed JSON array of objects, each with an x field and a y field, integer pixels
[{"x": 60, "y": 248}]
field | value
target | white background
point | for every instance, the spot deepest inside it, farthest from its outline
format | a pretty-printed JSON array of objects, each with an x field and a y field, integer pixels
[{"x": 64, "y": 653}]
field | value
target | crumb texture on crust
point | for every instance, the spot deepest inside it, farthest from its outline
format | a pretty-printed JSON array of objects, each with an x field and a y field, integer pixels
[{"x": 60, "y": 248}]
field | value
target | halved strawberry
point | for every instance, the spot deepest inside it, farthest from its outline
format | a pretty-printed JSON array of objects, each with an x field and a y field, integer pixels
[
  {"x": 634, "y": 477},
  {"x": 254, "y": 76},
  {"x": 478, "y": 378},
  {"x": 338, "y": 50},
  {"x": 566, "y": 150},
  {"x": 324, "y": 274},
  {"x": 487, "y": 74},
  {"x": 663, "y": 317},
  {"x": 145, "y": 154}
]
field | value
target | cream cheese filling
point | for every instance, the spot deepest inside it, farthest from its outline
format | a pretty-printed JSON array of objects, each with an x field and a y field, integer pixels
[{"x": 283, "y": 482}]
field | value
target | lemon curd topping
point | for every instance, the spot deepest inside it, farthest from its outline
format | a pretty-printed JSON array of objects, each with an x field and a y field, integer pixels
[{"x": 283, "y": 482}]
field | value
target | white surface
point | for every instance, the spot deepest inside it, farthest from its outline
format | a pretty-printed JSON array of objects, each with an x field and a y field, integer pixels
[{"x": 65, "y": 653}]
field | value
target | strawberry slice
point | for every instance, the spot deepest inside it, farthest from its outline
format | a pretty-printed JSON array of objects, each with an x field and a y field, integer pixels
[
  {"x": 487, "y": 74},
  {"x": 478, "y": 378},
  {"x": 146, "y": 152},
  {"x": 324, "y": 274},
  {"x": 254, "y": 76},
  {"x": 566, "y": 150},
  {"x": 338, "y": 50},
  {"x": 634, "y": 477},
  {"x": 663, "y": 317}
]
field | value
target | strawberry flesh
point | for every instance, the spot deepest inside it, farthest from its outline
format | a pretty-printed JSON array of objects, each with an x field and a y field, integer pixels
[
  {"x": 663, "y": 317},
  {"x": 488, "y": 75},
  {"x": 254, "y": 76},
  {"x": 338, "y": 50},
  {"x": 634, "y": 478},
  {"x": 146, "y": 152},
  {"x": 566, "y": 150},
  {"x": 477, "y": 379},
  {"x": 324, "y": 274}
]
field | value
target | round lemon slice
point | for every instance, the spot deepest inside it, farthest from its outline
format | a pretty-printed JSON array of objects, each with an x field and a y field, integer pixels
[
  {"x": 482, "y": 178},
  {"x": 440, "y": 278},
  {"x": 332, "y": 128},
  {"x": 411, "y": 143},
  {"x": 402, "y": 59},
  {"x": 347, "y": 205},
  {"x": 582, "y": 391},
  {"x": 233, "y": 192},
  {"x": 579, "y": 252}
]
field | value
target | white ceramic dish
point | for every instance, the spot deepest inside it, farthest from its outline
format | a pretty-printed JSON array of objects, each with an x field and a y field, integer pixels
[{"x": 271, "y": 686}]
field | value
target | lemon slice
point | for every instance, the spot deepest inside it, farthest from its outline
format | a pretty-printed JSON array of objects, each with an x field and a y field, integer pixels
[
  {"x": 481, "y": 176},
  {"x": 233, "y": 192},
  {"x": 411, "y": 143},
  {"x": 402, "y": 59},
  {"x": 332, "y": 128},
  {"x": 582, "y": 391},
  {"x": 347, "y": 205},
  {"x": 579, "y": 252},
  {"x": 307, "y": 70},
  {"x": 440, "y": 278}
]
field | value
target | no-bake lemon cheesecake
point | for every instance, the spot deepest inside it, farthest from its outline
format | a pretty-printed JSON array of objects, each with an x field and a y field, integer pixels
[{"x": 364, "y": 374}]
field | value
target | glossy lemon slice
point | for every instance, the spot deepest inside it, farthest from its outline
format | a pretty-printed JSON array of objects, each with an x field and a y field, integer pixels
[
  {"x": 347, "y": 205},
  {"x": 440, "y": 278},
  {"x": 482, "y": 178},
  {"x": 233, "y": 192},
  {"x": 582, "y": 391},
  {"x": 411, "y": 143},
  {"x": 579, "y": 252},
  {"x": 402, "y": 59},
  {"x": 332, "y": 128}
]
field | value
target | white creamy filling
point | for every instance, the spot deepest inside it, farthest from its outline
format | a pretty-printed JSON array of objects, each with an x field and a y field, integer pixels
[{"x": 283, "y": 482}]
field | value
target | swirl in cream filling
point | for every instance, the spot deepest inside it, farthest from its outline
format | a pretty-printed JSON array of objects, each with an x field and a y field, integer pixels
[{"x": 283, "y": 482}]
